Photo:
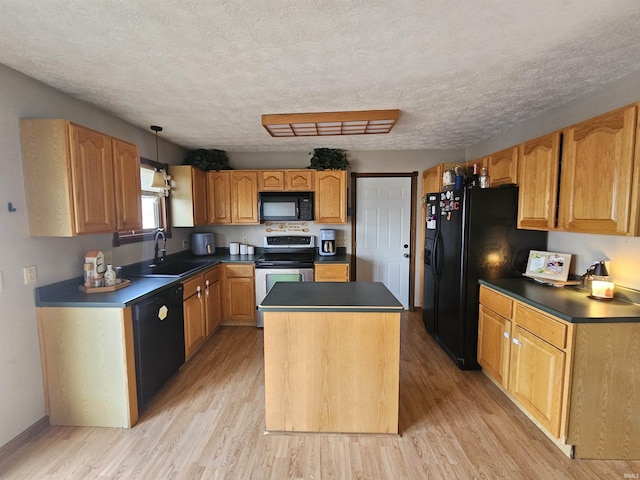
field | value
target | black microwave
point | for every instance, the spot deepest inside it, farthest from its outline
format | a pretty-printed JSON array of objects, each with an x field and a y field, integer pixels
[{"x": 286, "y": 206}]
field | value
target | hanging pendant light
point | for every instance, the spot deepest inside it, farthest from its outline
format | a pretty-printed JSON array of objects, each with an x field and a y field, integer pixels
[{"x": 160, "y": 176}]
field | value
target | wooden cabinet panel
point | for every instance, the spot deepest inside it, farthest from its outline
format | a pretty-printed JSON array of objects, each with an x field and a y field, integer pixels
[
  {"x": 541, "y": 325},
  {"x": 538, "y": 181},
  {"x": 219, "y": 197},
  {"x": 194, "y": 314},
  {"x": 213, "y": 300},
  {"x": 597, "y": 174},
  {"x": 432, "y": 180},
  {"x": 499, "y": 303},
  {"x": 92, "y": 175},
  {"x": 503, "y": 167},
  {"x": 494, "y": 341},
  {"x": 537, "y": 377},
  {"x": 239, "y": 306},
  {"x": 271, "y": 180},
  {"x": 331, "y": 196},
  {"x": 331, "y": 272},
  {"x": 126, "y": 164},
  {"x": 244, "y": 196},
  {"x": 299, "y": 180},
  {"x": 188, "y": 196}
]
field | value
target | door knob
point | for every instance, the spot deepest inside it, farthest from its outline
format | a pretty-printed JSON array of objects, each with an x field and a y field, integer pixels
[{"x": 406, "y": 255}]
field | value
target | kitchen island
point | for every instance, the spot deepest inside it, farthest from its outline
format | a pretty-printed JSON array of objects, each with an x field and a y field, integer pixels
[{"x": 332, "y": 357}]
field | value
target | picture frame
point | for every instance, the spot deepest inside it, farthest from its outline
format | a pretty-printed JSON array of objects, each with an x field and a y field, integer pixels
[{"x": 548, "y": 266}]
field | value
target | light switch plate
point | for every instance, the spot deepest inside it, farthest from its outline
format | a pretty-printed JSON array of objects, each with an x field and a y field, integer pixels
[{"x": 30, "y": 275}]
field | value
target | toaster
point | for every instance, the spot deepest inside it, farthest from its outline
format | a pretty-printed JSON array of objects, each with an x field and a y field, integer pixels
[{"x": 203, "y": 244}]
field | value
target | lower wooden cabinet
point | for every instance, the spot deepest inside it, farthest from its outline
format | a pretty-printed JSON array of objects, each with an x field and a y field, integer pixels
[
  {"x": 239, "y": 306},
  {"x": 573, "y": 379},
  {"x": 331, "y": 272},
  {"x": 212, "y": 300},
  {"x": 194, "y": 314}
]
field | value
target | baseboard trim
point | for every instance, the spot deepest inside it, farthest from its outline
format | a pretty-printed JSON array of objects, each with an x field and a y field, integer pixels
[{"x": 12, "y": 445}]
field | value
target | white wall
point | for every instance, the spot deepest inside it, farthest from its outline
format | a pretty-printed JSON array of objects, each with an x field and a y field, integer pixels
[
  {"x": 21, "y": 391},
  {"x": 624, "y": 252}
]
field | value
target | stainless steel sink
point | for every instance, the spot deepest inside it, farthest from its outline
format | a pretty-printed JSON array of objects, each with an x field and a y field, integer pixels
[{"x": 177, "y": 269}]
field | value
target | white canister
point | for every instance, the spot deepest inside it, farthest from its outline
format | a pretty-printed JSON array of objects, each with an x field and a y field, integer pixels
[
  {"x": 251, "y": 250},
  {"x": 243, "y": 248},
  {"x": 234, "y": 248}
]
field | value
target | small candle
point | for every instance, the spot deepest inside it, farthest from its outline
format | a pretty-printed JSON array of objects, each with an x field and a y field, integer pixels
[{"x": 601, "y": 289}]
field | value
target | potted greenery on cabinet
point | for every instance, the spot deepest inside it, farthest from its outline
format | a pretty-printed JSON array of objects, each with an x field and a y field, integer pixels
[{"x": 329, "y": 159}]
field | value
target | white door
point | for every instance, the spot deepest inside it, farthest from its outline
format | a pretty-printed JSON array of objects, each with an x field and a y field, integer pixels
[{"x": 383, "y": 232}]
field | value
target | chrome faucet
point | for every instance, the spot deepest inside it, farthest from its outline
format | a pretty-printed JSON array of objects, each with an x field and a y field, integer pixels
[{"x": 157, "y": 249}]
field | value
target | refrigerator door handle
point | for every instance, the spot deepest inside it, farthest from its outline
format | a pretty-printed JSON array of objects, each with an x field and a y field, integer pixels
[{"x": 437, "y": 263}]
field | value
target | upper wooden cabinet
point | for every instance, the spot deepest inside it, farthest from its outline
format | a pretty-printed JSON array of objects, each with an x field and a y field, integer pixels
[
  {"x": 219, "y": 197},
  {"x": 502, "y": 167},
  {"x": 432, "y": 180},
  {"x": 126, "y": 166},
  {"x": 330, "y": 196},
  {"x": 285, "y": 180},
  {"x": 597, "y": 178},
  {"x": 244, "y": 197},
  {"x": 188, "y": 196},
  {"x": 538, "y": 181},
  {"x": 77, "y": 180}
]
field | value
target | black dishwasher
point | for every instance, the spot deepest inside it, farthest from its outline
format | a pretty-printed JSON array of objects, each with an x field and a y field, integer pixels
[{"x": 158, "y": 334}]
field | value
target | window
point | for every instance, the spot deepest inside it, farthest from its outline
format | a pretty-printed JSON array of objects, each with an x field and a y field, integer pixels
[{"x": 155, "y": 207}]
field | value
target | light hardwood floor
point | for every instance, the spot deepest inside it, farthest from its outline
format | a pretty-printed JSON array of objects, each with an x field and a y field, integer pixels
[{"x": 208, "y": 423}]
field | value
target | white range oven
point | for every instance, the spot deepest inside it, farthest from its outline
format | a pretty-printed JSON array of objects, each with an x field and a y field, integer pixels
[{"x": 287, "y": 258}]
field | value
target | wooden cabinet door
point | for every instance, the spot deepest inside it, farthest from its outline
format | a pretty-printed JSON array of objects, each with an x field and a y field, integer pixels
[
  {"x": 194, "y": 327},
  {"x": 92, "y": 178},
  {"x": 244, "y": 196},
  {"x": 331, "y": 196},
  {"x": 331, "y": 272},
  {"x": 536, "y": 378},
  {"x": 199, "y": 185},
  {"x": 240, "y": 300},
  {"x": 494, "y": 343},
  {"x": 126, "y": 166},
  {"x": 538, "y": 182},
  {"x": 432, "y": 180},
  {"x": 219, "y": 197},
  {"x": 271, "y": 181},
  {"x": 213, "y": 300},
  {"x": 298, "y": 180},
  {"x": 503, "y": 167},
  {"x": 597, "y": 174}
]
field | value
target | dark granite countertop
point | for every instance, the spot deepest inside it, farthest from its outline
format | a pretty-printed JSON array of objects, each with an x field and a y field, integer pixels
[
  {"x": 337, "y": 258},
  {"x": 330, "y": 296},
  {"x": 568, "y": 303}
]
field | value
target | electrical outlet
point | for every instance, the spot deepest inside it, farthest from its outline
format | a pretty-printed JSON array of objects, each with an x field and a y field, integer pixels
[
  {"x": 341, "y": 242},
  {"x": 30, "y": 275},
  {"x": 185, "y": 243},
  {"x": 245, "y": 240}
]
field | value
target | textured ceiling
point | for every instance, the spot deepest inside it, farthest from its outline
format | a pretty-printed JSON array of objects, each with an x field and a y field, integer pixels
[{"x": 459, "y": 71}]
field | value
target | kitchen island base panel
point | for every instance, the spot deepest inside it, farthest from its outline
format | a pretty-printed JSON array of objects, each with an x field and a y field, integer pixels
[{"x": 332, "y": 372}]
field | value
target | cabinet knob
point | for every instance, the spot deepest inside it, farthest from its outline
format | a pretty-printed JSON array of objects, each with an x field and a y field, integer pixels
[
  {"x": 516, "y": 341},
  {"x": 506, "y": 334}
]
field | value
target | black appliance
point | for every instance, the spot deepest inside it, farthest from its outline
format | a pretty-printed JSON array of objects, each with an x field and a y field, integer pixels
[
  {"x": 286, "y": 206},
  {"x": 158, "y": 334},
  {"x": 470, "y": 234}
]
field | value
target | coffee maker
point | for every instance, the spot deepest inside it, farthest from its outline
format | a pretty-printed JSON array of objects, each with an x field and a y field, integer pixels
[{"x": 327, "y": 242}]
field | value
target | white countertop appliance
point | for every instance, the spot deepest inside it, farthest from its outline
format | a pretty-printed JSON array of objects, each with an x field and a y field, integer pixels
[{"x": 327, "y": 242}]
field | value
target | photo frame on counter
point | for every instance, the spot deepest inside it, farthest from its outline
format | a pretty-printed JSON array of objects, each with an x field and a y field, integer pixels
[{"x": 548, "y": 266}]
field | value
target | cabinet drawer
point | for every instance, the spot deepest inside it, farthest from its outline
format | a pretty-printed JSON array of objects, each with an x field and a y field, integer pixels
[
  {"x": 336, "y": 272},
  {"x": 212, "y": 275},
  {"x": 238, "y": 270},
  {"x": 499, "y": 303},
  {"x": 191, "y": 286},
  {"x": 542, "y": 326}
]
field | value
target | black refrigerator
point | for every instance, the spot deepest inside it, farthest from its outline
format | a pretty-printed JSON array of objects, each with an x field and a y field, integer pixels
[{"x": 470, "y": 234}]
